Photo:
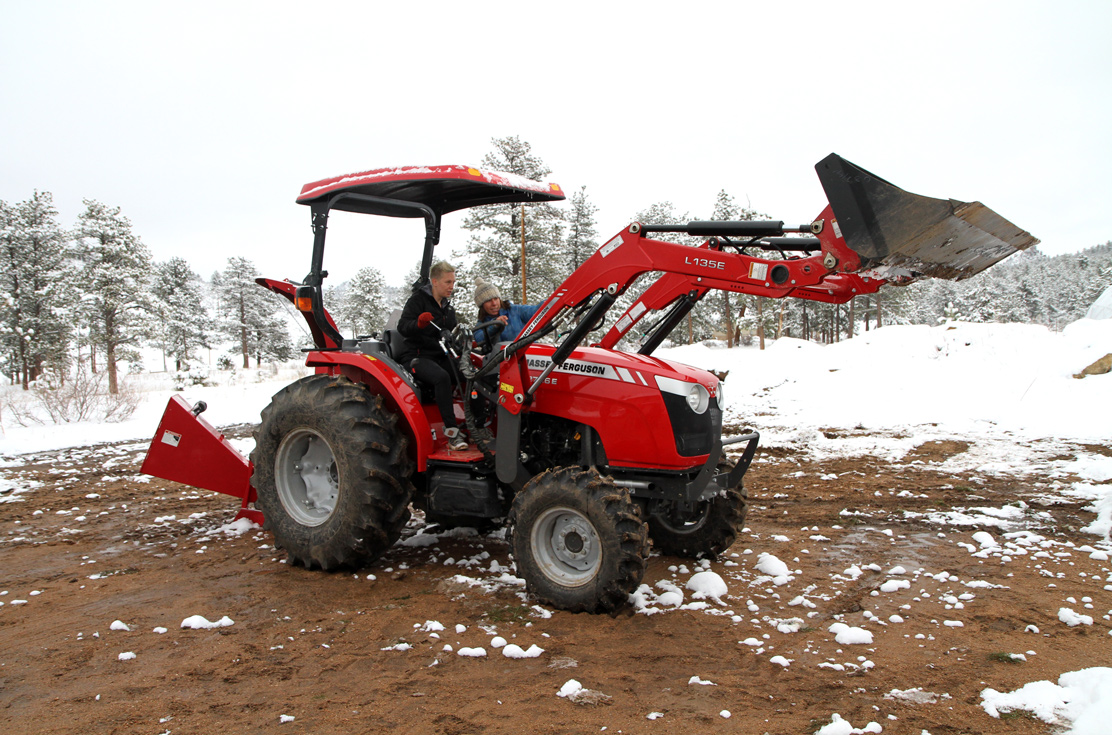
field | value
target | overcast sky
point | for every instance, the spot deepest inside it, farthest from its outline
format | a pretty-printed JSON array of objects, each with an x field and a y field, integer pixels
[{"x": 202, "y": 120}]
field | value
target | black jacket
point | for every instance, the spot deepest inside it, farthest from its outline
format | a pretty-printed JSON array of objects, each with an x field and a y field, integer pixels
[{"x": 424, "y": 342}]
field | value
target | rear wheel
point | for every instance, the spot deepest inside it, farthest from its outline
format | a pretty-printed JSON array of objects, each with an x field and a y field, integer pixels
[
  {"x": 578, "y": 540},
  {"x": 708, "y": 529},
  {"x": 331, "y": 473}
]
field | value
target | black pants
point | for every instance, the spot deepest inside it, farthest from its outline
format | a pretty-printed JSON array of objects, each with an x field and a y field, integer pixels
[{"x": 436, "y": 372}]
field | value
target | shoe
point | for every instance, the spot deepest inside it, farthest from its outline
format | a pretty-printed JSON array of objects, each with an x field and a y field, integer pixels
[{"x": 455, "y": 441}]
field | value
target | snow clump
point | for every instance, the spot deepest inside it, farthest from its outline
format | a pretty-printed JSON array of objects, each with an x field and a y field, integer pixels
[
  {"x": 773, "y": 567},
  {"x": 515, "y": 651},
  {"x": 985, "y": 539},
  {"x": 838, "y": 726},
  {"x": 849, "y": 636},
  {"x": 1080, "y": 698},
  {"x": 1072, "y": 619},
  {"x": 199, "y": 622},
  {"x": 570, "y": 688},
  {"x": 472, "y": 652},
  {"x": 707, "y": 584}
]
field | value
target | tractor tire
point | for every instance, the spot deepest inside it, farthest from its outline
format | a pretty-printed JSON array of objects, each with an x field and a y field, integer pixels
[
  {"x": 578, "y": 540},
  {"x": 708, "y": 531},
  {"x": 331, "y": 473}
]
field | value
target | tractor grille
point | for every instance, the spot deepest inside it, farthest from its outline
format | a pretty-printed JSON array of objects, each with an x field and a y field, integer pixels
[{"x": 694, "y": 433}]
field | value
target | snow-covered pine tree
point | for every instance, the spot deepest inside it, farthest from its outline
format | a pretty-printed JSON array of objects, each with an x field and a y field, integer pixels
[
  {"x": 183, "y": 321},
  {"x": 1027, "y": 287},
  {"x": 248, "y": 314},
  {"x": 114, "y": 283},
  {"x": 733, "y": 307},
  {"x": 582, "y": 238},
  {"x": 271, "y": 339},
  {"x": 36, "y": 296},
  {"x": 496, "y": 242},
  {"x": 363, "y": 308},
  {"x": 701, "y": 322}
]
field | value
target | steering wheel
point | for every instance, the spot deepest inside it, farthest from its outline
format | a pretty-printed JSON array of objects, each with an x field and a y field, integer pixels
[{"x": 490, "y": 331}]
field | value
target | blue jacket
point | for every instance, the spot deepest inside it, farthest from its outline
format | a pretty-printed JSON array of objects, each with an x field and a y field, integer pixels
[{"x": 519, "y": 315}]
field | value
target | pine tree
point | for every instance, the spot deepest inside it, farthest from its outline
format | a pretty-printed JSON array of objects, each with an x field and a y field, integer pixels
[
  {"x": 179, "y": 303},
  {"x": 498, "y": 228},
  {"x": 582, "y": 239},
  {"x": 363, "y": 308},
  {"x": 701, "y": 321},
  {"x": 36, "y": 298},
  {"x": 247, "y": 314},
  {"x": 117, "y": 268},
  {"x": 734, "y": 307}
]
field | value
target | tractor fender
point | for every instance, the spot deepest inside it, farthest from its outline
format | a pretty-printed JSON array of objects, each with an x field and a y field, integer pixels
[{"x": 386, "y": 378}]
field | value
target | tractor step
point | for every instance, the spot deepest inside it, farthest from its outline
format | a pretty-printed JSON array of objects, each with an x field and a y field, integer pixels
[
  {"x": 900, "y": 234},
  {"x": 465, "y": 456}
]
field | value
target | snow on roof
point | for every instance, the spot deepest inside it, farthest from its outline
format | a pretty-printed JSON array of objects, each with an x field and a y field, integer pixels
[{"x": 403, "y": 173}]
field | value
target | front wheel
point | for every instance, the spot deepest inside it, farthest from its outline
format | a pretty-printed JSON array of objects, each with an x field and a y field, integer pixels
[
  {"x": 707, "y": 530},
  {"x": 578, "y": 540},
  {"x": 331, "y": 473}
]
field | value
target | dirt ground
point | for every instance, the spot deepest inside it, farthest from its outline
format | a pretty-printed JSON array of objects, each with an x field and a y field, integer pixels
[{"x": 86, "y": 541}]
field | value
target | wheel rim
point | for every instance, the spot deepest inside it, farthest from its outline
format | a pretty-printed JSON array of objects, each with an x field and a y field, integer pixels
[
  {"x": 688, "y": 524},
  {"x": 306, "y": 478},
  {"x": 566, "y": 546}
]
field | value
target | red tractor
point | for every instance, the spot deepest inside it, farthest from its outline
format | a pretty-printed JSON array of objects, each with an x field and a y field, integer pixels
[{"x": 592, "y": 452}]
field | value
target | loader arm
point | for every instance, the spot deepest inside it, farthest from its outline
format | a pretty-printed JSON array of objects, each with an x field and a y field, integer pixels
[
  {"x": 680, "y": 293},
  {"x": 593, "y": 288},
  {"x": 870, "y": 233}
]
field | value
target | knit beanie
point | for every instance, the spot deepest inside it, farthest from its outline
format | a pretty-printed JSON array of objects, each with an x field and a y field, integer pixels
[{"x": 485, "y": 291}]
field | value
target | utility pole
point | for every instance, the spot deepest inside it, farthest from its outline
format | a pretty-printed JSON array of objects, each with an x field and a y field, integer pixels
[
  {"x": 760, "y": 321},
  {"x": 524, "y": 298}
]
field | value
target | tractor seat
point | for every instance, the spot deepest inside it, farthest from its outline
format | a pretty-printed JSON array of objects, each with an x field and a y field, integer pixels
[{"x": 395, "y": 344}]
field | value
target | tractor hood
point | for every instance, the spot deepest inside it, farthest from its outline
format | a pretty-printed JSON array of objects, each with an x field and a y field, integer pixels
[
  {"x": 441, "y": 188},
  {"x": 623, "y": 367}
]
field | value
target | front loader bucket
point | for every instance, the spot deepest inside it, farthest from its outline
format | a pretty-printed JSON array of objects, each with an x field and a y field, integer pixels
[{"x": 899, "y": 233}]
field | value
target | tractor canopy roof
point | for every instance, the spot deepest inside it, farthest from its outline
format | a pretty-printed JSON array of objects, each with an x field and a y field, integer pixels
[{"x": 441, "y": 188}]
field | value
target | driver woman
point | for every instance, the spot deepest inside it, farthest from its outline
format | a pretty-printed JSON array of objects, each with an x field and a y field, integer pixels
[{"x": 427, "y": 314}]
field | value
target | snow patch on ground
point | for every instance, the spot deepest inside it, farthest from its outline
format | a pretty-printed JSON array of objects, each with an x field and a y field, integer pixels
[{"x": 1080, "y": 701}]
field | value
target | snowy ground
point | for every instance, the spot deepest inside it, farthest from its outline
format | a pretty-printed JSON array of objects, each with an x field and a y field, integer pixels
[{"x": 1004, "y": 395}]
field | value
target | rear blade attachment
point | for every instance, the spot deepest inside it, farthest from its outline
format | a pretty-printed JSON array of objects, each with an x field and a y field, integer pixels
[{"x": 902, "y": 236}]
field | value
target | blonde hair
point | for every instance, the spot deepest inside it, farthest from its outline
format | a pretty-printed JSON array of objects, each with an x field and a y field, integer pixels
[{"x": 440, "y": 269}]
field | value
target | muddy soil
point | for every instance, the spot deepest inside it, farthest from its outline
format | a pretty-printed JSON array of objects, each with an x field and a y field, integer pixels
[{"x": 86, "y": 541}]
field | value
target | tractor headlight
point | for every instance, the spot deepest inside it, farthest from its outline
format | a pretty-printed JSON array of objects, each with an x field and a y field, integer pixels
[
  {"x": 698, "y": 398},
  {"x": 695, "y": 395}
]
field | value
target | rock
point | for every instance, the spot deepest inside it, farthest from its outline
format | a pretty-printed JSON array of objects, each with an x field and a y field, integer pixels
[{"x": 1100, "y": 367}]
